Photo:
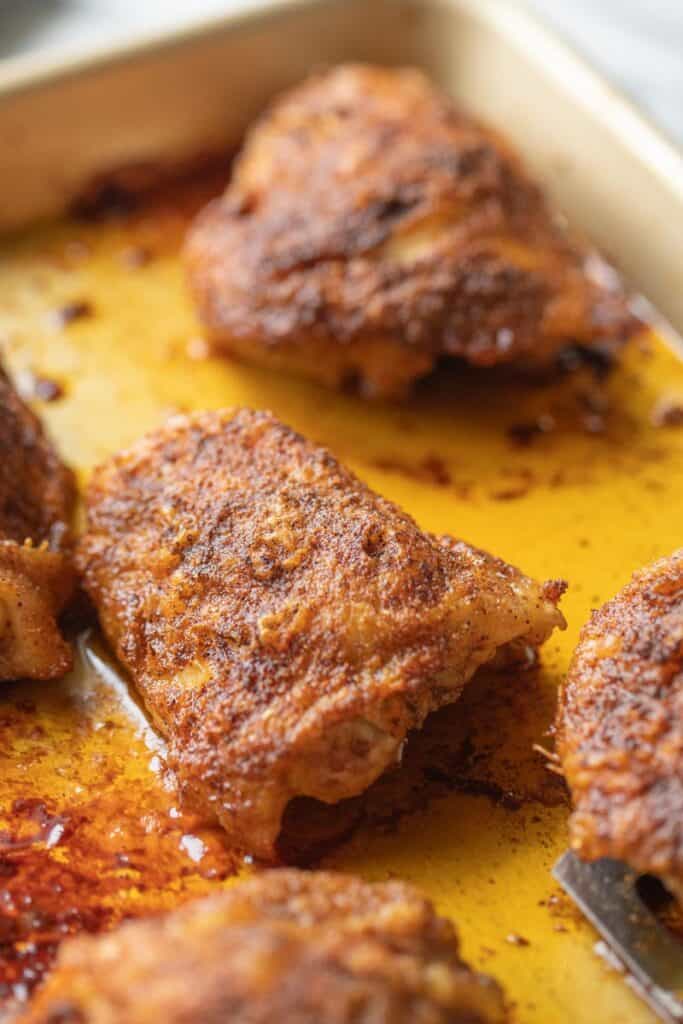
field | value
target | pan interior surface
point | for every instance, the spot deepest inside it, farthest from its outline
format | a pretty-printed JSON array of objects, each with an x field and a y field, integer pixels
[{"x": 578, "y": 477}]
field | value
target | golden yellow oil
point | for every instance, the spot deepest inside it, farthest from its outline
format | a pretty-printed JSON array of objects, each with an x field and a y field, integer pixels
[{"x": 568, "y": 478}]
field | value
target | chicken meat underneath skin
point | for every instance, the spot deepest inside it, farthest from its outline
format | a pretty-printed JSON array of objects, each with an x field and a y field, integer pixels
[
  {"x": 372, "y": 227},
  {"x": 305, "y": 948},
  {"x": 36, "y": 578},
  {"x": 285, "y": 626},
  {"x": 620, "y": 727}
]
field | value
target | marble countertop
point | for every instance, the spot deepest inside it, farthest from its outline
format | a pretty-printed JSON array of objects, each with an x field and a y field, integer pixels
[{"x": 636, "y": 43}]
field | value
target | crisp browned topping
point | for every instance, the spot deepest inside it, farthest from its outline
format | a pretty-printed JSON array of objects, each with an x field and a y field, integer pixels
[
  {"x": 36, "y": 492},
  {"x": 620, "y": 726},
  {"x": 285, "y": 626},
  {"x": 313, "y": 948},
  {"x": 372, "y": 227}
]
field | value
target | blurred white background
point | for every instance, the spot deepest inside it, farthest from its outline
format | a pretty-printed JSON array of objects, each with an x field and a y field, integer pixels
[{"x": 637, "y": 43}]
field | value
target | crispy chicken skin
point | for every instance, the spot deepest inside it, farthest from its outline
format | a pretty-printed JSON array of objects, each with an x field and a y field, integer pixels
[
  {"x": 305, "y": 948},
  {"x": 285, "y": 626},
  {"x": 36, "y": 579},
  {"x": 372, "y": 227},
  {"x": 620, "y": 727}
]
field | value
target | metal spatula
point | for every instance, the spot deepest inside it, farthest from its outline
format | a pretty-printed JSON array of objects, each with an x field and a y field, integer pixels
[{"x": 606, "y": 892}]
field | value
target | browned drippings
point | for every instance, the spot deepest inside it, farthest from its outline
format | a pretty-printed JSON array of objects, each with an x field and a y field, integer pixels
[
  {"x": 430, "y": 470},
  {"x": 122, "y": 192},
  {"x": 112, "y": 844}
]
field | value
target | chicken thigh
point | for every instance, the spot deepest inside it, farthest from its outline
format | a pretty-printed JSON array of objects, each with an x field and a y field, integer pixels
[
  {"x": 302, "y": 948},
  {"x": 285, "y": 626},
  {"x": 620, "y": 727},
  {"x": 372, "y": 227},
  {"x": 36, "y": 577}
]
